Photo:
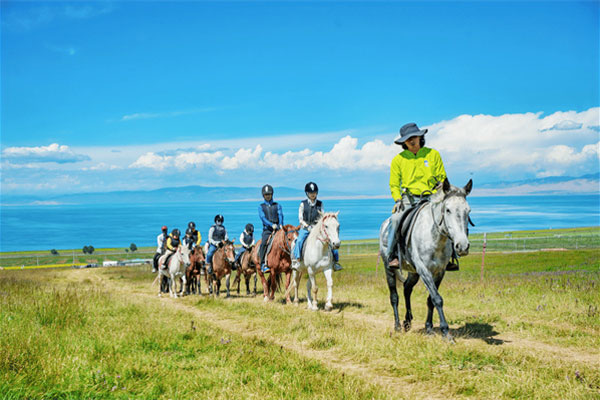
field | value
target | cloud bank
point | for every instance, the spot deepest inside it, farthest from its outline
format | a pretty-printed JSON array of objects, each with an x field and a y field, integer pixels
[{"x": 43, "y": 154}]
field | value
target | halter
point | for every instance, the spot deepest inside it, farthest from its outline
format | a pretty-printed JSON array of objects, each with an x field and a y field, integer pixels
[
  {"x": 288, "y": 244},
  {"x": 438, "y": 225}
]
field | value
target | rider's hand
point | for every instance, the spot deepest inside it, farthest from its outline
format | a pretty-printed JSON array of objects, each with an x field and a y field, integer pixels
[
  {"x": 397, "y": 207},
  {"x": 274, "y": 226}
]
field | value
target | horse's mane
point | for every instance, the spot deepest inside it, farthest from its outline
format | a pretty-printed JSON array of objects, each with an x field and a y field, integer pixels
[
  {"x": 322, "y": 216},
  {"x": 440, "y": 195}
]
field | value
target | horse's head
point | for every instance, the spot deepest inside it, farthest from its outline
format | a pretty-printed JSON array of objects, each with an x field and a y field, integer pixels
[
  {"x": 185, "y": 255},
  {"x": 455, "y": 214},
  {"x": 329, "y": 228},
  {"x": 229, "y": 250},
  {"x": 197, "y": 256}
]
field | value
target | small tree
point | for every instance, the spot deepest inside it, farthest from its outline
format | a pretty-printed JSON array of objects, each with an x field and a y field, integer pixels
[
  {"x": 84, "y": 250},
  {"x": 132, "y": 247},
  {"x": 54, "y": 252},
  {"x": 88, "y": 249},
  {"x": 91, "y": 249}
]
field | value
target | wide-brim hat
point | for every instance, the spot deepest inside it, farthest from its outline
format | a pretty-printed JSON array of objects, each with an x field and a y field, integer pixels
[{"x": 409, "y": 130}]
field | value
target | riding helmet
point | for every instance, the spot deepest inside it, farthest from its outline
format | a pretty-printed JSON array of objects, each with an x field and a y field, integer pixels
[
  {"x": 189, "y": 231},
  {"x": 311, "y": 187},
  {"x": 191, "y": 225},
  {"x": 267, "y": 189},
  {"x": 219, "y": 218},
  {"x": 164, "y": 228},
  {"x": 249, "y": 228},
  {"x": 176, "y": 233}
]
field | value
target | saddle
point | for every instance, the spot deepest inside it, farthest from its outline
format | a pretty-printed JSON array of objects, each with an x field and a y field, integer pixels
[
  {"x": 269, "y": 246},
  {"x": 407, "y": 222}
]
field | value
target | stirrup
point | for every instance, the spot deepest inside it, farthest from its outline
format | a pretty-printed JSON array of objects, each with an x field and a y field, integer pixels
[
  {"x": 452, "y": 266},
  {"x": 264, "y": 268},
  {"x": 337, "y": 267},
  {"x": 394, "y": 263}
]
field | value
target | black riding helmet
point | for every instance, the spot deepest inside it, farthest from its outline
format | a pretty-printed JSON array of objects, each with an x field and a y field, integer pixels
[
  {"x": 267, "y": 189},
  {"x": 219, "y": 218},
  {"x": 192, "y": 225},
  {"x": 189, "y": 231},
  {"x": 249, "y": 228},
  {"x": 311, "y": 187},
  {"x": 176, "y": 233}
]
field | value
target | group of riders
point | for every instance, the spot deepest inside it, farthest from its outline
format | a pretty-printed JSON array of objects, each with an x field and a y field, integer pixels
[
  {"x": 271, "y": 216},
  {"x": 414, "y": 174}
]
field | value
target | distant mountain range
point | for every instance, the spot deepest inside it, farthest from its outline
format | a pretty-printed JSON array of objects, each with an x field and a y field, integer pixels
[{"x": 550, "y": 185}]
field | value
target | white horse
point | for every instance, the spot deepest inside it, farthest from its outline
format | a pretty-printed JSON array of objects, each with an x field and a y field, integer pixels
[
  {"x": 441, "y": 224},
  {"x": 178, "y": 262},
  {"x": 323, "y": 237}
]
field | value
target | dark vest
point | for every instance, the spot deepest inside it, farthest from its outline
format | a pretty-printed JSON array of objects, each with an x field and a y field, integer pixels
[
  {"x": 271, "y": 212},
  {"x": 195, "y": 235},
  {"x": 174, "y": 242},
  {"x": 218, "y": 233},
  {"x": 311, "y": 213},
  {"x": 247, "y": 239},
  {"x": 189, "y": 241}
]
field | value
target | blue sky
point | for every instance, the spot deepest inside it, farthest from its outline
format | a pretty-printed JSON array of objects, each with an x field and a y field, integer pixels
[{"x": 101, "y": 96}]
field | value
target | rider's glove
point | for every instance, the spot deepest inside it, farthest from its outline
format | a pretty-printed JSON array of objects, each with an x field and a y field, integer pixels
[
  {"x": 274, "y": 226},
  {"x": 397, "y": 207}
]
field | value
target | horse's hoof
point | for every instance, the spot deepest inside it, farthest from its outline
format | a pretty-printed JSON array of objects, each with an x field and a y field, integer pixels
[
  {"x": 328, "y": 307},
  {"x": 448, "y": 337},
  {"x": 397, "y": 328},
  {"x": 265, "y": 299},
  {"x": 296, "y": 303},
  {"x": 406, "y": 325}
]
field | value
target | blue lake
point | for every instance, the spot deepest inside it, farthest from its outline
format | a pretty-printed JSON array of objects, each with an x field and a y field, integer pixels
[{"x": 118, "y": 225}]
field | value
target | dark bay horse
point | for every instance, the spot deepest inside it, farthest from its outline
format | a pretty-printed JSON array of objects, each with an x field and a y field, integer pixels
[
  {"x": 440, "y": 225},
  {"x": 222, "y": 262},
  {"x": 247, "y": 269},
  {"x": 279, "y": 261},
  {"x": 195, "y": 270}
]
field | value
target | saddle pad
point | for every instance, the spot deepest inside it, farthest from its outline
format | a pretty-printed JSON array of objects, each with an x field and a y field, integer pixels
[{"x": 407, "y": 222}]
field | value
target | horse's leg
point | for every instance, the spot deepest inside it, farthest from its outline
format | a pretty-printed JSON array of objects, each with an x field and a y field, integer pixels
[
  {"x": 312, "y": 297},
  {"x": 172, "y": 287},
  {"x": 391, "y": 281},
  {"x": 265, "y": 286},
  {"x": 160, "y": 284},
  {"x": 247, "y": 279},
  {"x": 296, "y": 276},
  {"x": 183, "y": 284},
  {"x": 329, "y": 279},
  {"x": 288, "y": 276},
  {"x": 435, "y": 300},
  {"x": 409, "y": 284},
  {"x": 227, "y": 283}
]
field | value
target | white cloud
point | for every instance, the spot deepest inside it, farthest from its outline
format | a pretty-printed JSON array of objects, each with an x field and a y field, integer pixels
[
  {"x": 167, "y": 114},
  {"x": 43, "y": 154},
  {"x": 520, "y": 143}
]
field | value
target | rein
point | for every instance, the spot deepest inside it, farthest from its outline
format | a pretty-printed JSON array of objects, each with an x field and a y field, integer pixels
[
  {"x": 288, "y": 244},
  {"x": 322, "y": 230}
]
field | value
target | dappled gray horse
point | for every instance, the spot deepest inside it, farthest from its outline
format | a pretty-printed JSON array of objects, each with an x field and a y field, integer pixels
[{"x": 439, "y": 225}]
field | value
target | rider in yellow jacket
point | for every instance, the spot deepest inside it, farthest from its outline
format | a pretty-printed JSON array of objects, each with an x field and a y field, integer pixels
[
  {"x": 414, "y": 173},
  {"x": 173, "y": 242}
]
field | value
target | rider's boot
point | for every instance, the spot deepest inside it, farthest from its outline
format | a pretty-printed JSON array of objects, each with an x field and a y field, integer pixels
[
  {"x": 337, "y": 267},
  {"x": 264, "y": 268},
  {"x": 209, "y": 269},
  {"x": 452, "y": 265}
]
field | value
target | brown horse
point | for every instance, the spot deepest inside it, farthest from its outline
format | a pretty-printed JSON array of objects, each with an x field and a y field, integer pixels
[
  {"x": 195, "y": 270},
  {"x": 222, "y": 261},
  {"x": 279, "y": 260},
  {"x": 246, "y": 268}
]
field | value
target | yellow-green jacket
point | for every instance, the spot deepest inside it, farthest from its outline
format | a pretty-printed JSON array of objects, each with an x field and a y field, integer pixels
[{"x": 416, "y": 173}]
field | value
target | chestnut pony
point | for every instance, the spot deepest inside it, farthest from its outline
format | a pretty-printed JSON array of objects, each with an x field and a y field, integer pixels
[
  {"x": 194, "y": 271},
  {"x": 222, "y": 262},
  {"x": 246, "y": 268},
  {"x": 279, "y": 261}
]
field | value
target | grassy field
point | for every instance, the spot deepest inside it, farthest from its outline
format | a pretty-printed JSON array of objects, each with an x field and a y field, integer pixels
[{"x": 531, "y": 330}]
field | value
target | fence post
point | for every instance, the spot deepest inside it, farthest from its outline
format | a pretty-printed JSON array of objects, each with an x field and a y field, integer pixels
[{"x": 483, "y": 256}]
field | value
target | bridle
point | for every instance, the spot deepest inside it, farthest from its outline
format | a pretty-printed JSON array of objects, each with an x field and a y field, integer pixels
[
  {"x": 438, "y": 225},
  {"x": 323, "y": 231},
  {"x": 288, "y": 243}
]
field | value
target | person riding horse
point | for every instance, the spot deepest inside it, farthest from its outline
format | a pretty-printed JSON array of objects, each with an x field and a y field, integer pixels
[
  {"x": 188, "y": 240},
  {"x": 171, "y": 246},
  {"x": 271, "y": 215},
  {"x": 308, "y": 214},
  {"x": 413, "y": 175},
  {"x": 197, "y": 237},
  {"x": 247, "y": 241},
  {"x": 160, "y": 249},
  {"x": 216, "y": 235}
]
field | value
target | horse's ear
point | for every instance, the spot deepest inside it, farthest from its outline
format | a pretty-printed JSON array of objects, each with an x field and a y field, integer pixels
[
  {"x": 297, "y": 228},
  {"x": 337, "y": 213},
  {"x": 446, "y": 186},
  {"x": 321, "y": 212},
  {"x": 233, "y": 240},
  {"x": 468, "y": 187}
]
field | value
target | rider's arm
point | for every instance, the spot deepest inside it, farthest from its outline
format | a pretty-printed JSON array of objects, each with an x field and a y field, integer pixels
[
  {"x": 263, "y": 217},
  {"x": 210, "y": 237},
  {"x": 199, "y": 241},
  {"x": 280, "y": 213},
  {"x": 242, "y": 240},
  {"x": 439, "y": 173},
  {"x": 303, "y": 223},
  {"x": 170, "y": 245},
  {"x": 395, "y": 179}
]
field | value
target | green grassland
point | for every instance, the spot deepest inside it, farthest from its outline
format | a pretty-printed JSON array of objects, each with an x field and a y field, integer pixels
[{"x": 531, "y": 329}]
